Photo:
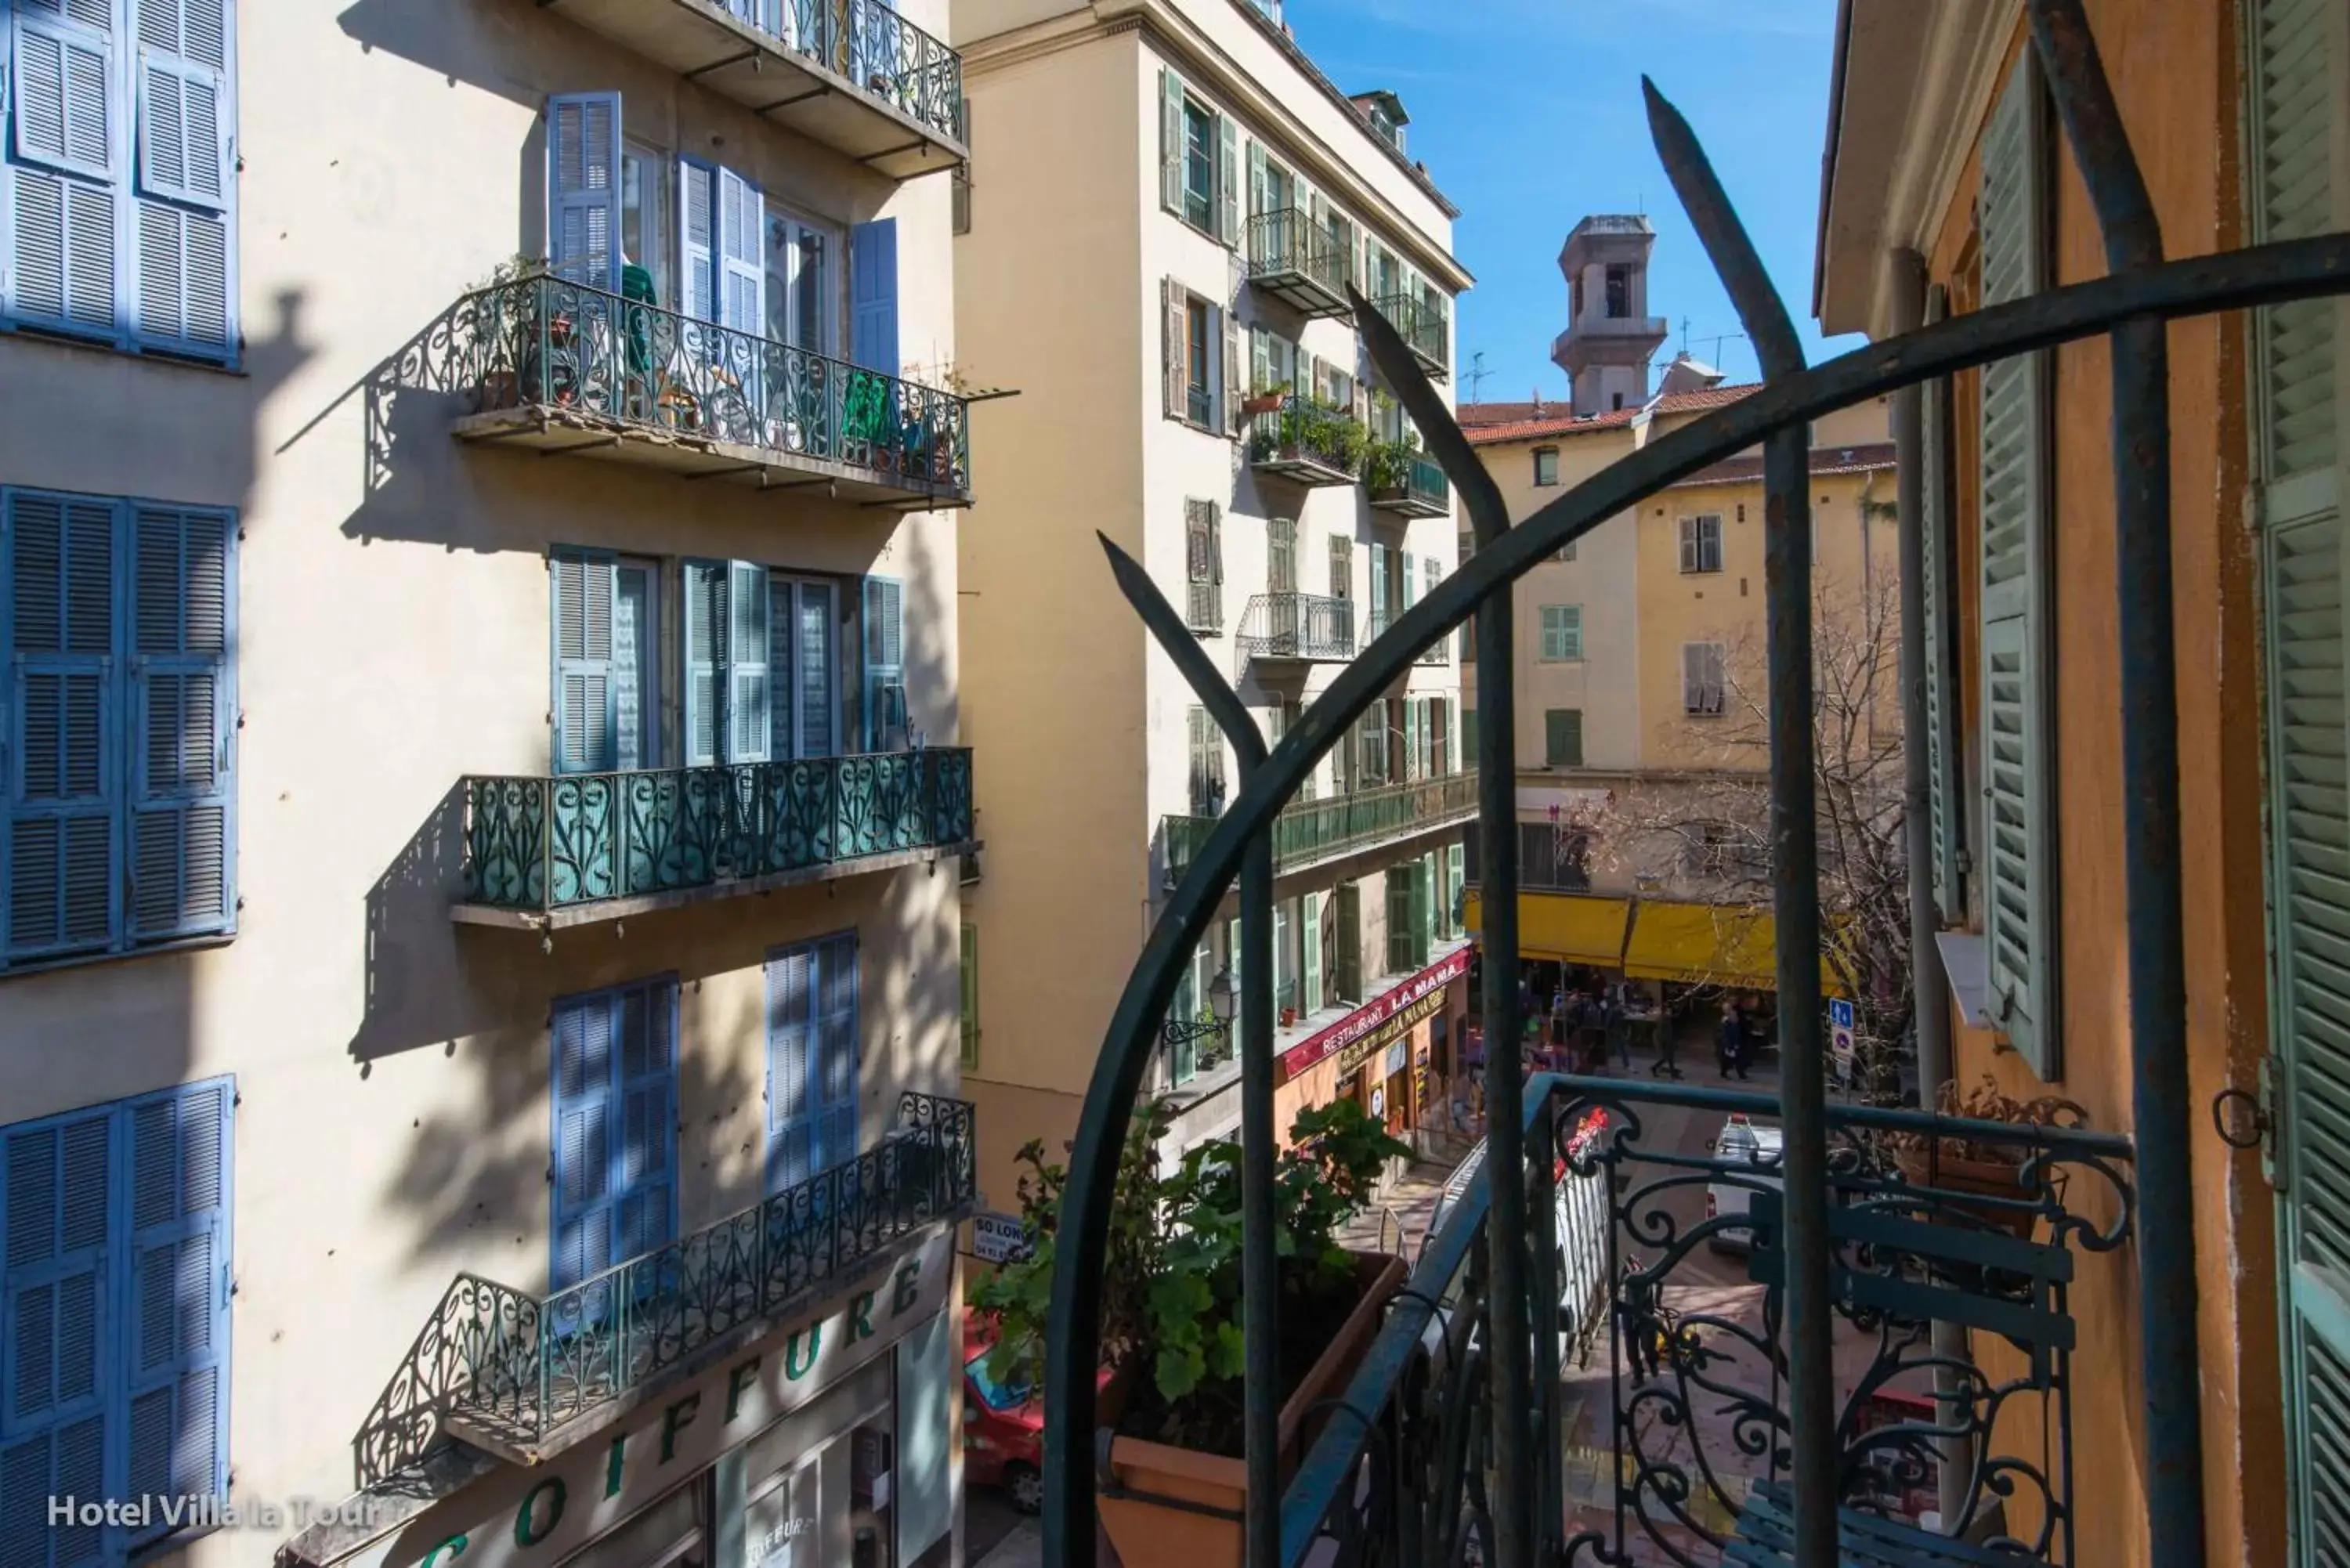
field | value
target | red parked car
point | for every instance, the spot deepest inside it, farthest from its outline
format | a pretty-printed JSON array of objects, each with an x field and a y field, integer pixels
[{"x": 1003, "y": 1427}]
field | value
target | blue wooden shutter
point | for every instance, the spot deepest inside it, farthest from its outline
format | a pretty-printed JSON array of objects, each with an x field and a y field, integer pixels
[
  {"x": 65, "y": 789},
  {"x": 835, "y": 1067},
  {"x": 742, "y": 262},
  {"x": 66, "y": 145},
  {"x": 58, "y": 1306},
  {"x": 697, "y": 223},
  {"x": 185, "y": 122},
  {"x": 636, "y": 588},
  {"x": 782, "y": 646},
  {"x": 2019, "y": 838},
  {"x": 178, "y": 1331},
  {"x": 586, "y": 1233},
  {"x": 747, "y": 632},
  {"x": 819, "y": 669},
  {"x": 705, "y": 656},
  {"x": 790, "y": 1034},
  {"x": 873, "y": 295},
  {"x": 183, "y": 714},
  {"x": 884, "y": 664},
  {"x": 584, "y": 717},
  {"x": 65, "y": 109},
  {"x": 583, "y": 187},
  {"x": 645, "y": 1187}
]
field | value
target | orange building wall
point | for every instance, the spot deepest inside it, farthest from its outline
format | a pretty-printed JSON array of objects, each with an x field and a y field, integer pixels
[{"x": 2175, "y": 69}]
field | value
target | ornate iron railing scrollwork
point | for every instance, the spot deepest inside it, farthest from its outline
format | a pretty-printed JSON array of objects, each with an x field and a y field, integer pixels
[{"x": 1304, "y": 627}]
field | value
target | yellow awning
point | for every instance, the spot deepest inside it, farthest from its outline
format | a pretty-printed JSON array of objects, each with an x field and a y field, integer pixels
[
  {"x": 1567, "y": 927},
  {"x": 1709, "y": 944}
]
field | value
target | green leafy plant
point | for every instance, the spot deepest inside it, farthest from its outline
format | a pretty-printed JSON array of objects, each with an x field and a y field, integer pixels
[{"x": 1171, "y": 1292}]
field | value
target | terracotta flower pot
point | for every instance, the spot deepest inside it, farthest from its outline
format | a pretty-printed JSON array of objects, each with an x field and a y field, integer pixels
[
  {"x": 1152, "y": 1534},
  {"x": 1288, "y": 1017},
  {"x": 1268, "y": 404},
  {"x": 1992, "y": 1178}
]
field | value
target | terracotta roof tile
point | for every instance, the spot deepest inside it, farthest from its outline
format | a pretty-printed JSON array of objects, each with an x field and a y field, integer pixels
[{"x": 1521, "y": 426}]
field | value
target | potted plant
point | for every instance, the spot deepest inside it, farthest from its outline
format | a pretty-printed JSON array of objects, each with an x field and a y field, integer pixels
[
  {"x": 1170, "y": 1317},
  {"x": 1265, "y": 400},
  {"x": 1951, "y": 1162}
]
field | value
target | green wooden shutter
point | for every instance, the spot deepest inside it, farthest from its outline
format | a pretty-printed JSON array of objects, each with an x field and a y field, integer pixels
[
  {"x": 1310, "y": 921},
  {"x": 2298, "y": 55},
  {"x": 2018, "y": 837},
  {"x": 1346, "y": 944},
  {"x": 1938, "y": 552},
  {"x": 184, "y": 717},
  {"x": 969, "y": 1016},
  {"x": 1170, "y": 143},
  {"x": 705, "y": 652},
  {"x": 1228, "y": 181},
  {"x": 748, "y": 672}
]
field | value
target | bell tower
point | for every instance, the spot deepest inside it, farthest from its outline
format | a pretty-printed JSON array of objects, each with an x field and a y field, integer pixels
[{"x": 1610, "y": 337}]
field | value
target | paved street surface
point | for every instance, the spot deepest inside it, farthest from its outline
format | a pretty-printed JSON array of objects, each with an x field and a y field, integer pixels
[{"x": 989, "y": 1518}]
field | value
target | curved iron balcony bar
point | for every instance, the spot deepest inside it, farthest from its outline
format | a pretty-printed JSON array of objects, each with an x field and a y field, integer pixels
[
  {"x": 1423, "y": 331},
  {"x": 1695, "y": 1450},
  {"x": 521, "y": 1376},
  {"x": 1298, "y": 262},
  {"x": 1310, "y": 831},
  {"x": 560, "y": 366},
  {"x": 1307, "y": 627},
  {"x": 1304, "y": 440},
  {"x": 1412, "y": 484},
  {"x": 579, "y": 847},
  {"x": 852, "y": 75}
]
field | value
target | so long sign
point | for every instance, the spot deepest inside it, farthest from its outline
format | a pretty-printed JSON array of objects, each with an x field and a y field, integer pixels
[{"x": 1356, "y": 1037}]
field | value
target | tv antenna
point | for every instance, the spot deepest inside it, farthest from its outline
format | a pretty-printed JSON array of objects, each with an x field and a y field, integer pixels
[{"x": 1477, "y": 373}]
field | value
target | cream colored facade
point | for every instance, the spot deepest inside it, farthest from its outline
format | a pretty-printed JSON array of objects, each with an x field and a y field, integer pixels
[
  {"x": 390, "y": 636},
  {"x": 1062, "y": 287}
]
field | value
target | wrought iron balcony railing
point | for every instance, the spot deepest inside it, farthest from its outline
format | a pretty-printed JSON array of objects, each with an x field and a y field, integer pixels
[
  {"x": 852, "y": 75},
  {"x": 1668, "y": 1269},
  {"x": 1306, "y": 441},
  {"x": 579, "y": 846},
  {"x": 510, "y": 1371},
  {"x": 1305, "y": 627},
  {"x": 1422, "y": 328},
  {"x": 1408, "y": 483},
  {"x": 558, "y": 365},
  {"x": 1317, "y": 830},
  {"x": 1300, "y": 262}
]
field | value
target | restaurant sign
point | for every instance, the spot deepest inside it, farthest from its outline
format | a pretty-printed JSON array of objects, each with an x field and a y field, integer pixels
[{"x": 1362, "y": 1034}]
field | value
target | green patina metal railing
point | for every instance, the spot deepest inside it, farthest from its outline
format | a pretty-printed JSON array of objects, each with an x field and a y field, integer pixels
[
  {"x": 592, "y": 356},
  {"x": 876, "y": 48},
  {"x": 1409, "y": 482},
  {"x": 1314, "y": 830},
  {"x": 546, "y": 843},
  {"x": 516, "y": 1367}
]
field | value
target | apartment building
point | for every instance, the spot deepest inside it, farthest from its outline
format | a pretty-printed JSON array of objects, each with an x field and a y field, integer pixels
[
  {"x": 478, "y": 498},
  {"x": 1638, "y": 665},
  {"x": 1166, "y": 205}
]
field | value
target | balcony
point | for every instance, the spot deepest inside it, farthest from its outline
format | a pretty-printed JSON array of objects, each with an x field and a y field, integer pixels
[
  {"x": 557, "y": 367},
  {"x": 1597, "y": 326},
  {"x": 1296, "y": 261},
  {"x": 1304, "y": 628},
  {"x": 1404, "y": 482},
  {"x": 1664, "y": 1402},
  {"x": 1306, "y": 440},
  {"x": 523, "y": 1377},
  {"x": 1313, "y": 831},
  {"x": 544, "y": 853},
  {"x": 1422, "y": 329},
  {"x": 850, "y": 75}
]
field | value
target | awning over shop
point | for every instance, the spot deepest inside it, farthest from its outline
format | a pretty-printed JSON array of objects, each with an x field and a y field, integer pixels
[
  {"x": 1565, "y": 927},
  {"x": 1709, "y": 944}
]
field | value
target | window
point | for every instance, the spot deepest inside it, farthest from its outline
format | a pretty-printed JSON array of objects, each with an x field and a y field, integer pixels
[
  {"x": 1562, "y": 737},
  {"x": 1562, "y": 633},
  {"x": 1201, "y": 361},
  {"x": 1553, "y": 859},
  {"x": 1409, "y": 916},
  {"x": 118, "y": 191},
  {"x": 1703, "y": 679},
  {"x": 116, "y": 1286},
  {"x": 969, "y": 1014},
  {"x": 1280, "y": 555},
  {"x": 646, "y": 232},
  {"x": 1620, "y": 290},
  {"x": 607, "y": 680},
  {"x": 1342, "y": 568},
  {"x": 613, "y": 1061},
  {"x": 120, "y": 699},
  {"x": 1285, "y": 957},
  {"x": 1566, "y": 551},
  {"x": 802, "y": 285},
  {"x": 1273, "y": 362},
  {"x": 889, "y": 724},
  {"x": 812, "y": 1059},
  {"x": 761, "y": 665},
  {"x": 1207, "y": 765},
  {"x": 1701, "y": 543},
  {"x": 1371, "y": 738},
  {"x": 1546, "y": 466},
  {"x": 1346, "y": 942},
  {"x": 1203, "y": 562},
  {"x": 1198, "y": 405},
  {"x": 1199, "y": 166},
  {"x": 1198, "y": 162}
]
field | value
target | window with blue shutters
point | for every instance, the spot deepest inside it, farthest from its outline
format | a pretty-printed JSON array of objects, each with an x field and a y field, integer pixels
[
  {"x": 886, "y": 721},
  {"x": 812, "y": 1058},
  {"x": 583, "y": 187},
  {"x": 117, "y": 188},
  {"x": 761, "y": 665},
  {"x": 873, "y": 295},
  {"x": 614, "y": 1071},
  {"x": 114, "y": 1316},
  {"x": 118, "y": 716}
]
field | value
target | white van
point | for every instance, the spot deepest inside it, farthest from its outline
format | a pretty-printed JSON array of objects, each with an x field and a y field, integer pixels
[{"x": 1741, "y": 1140}]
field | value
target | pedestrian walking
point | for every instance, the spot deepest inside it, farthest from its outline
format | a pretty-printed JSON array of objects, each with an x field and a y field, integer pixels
[
  {"x": 1730, "y": 1046},
  {"x": 1620, "y": 1034}
]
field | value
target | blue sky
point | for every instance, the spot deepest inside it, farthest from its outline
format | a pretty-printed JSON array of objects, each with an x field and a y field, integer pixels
[{"x": 1528, "y": 114}]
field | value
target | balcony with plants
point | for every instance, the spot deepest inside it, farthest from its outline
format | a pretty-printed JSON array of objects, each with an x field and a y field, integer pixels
[
  {"x": 1404, "y": 480},
  {"x": 555, "y": 365},
  {"x": 1298, "y": 629},
  {"x": 1299, "y": 262},
  {"x": 1305, "y": 438},
  {"x": 850, "y": 75},
  {"x": 546, "y": 852},
  {"x": 523, "y": 1376},
  {"x": 1309, "y": 832}
]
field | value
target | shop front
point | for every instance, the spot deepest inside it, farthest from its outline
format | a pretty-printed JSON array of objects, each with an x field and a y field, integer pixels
[
  {"x": 831, "y": 1444},
  {"x": 1381, "y": 1055}
]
